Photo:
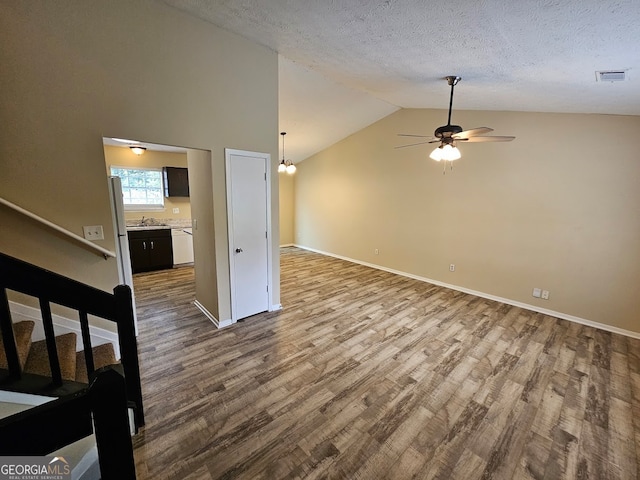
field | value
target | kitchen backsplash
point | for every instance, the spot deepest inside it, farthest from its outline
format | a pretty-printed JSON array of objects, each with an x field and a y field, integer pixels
[{"x": 151, "y": 221}]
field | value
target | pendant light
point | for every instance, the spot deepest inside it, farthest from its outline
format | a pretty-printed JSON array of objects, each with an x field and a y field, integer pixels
[{"x": 286, "y": 166}]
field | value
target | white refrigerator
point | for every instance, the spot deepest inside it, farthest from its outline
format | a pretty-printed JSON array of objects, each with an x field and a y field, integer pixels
[{"x": 125, "y": 275}]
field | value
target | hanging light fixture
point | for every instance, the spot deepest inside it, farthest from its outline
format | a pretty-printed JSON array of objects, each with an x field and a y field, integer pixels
[
  {"x": 286, "y": 165},
  {"x": 137, "y": 149},
  {"x": 283, "y": 166},
  {"x": 447, "y": 152}
]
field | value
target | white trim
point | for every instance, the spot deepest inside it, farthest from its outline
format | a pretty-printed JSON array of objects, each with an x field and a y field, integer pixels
[
  {"x": 552, "y": 313},
  {"x": 288, "y": 245},
  {"x": 211, "y": 317},
  {"x": 7, "y": 396},
  {"x": 275, "y": 308},
  {"x": 61, "y": 326},
  {"x": 228, "y": 152}
]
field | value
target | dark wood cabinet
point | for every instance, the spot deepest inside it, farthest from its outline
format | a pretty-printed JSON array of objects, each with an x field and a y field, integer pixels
[
  {"x": 150, "y": 250},
  {"x": 176, "y": 181}
]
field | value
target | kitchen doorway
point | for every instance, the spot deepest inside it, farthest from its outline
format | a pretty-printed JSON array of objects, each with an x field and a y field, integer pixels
[{"x": 149, "y": 236}]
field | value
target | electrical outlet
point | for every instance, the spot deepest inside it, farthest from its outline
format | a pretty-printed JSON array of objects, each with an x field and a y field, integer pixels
[
  {"x": 376, "y": 251},
  {"x": 536, "y": 292},
  {"x": 176, "y": 210},
  {"x": 545, "y": 294},
  {"x": 452, "y": 268},
  {"x": 93, "y": 232}
]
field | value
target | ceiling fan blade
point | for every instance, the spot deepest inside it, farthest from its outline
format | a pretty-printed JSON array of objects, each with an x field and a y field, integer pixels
[
  {"x": 489, "y": 139},
  {"x": 412, "y": 144},
  {"x": 409, "y": 135},
  {"x": 473, "y": 132}
]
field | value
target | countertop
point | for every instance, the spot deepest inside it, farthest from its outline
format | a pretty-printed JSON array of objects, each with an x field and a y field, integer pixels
[
  {"x": 150, "y": 227},
  {"x": 159, "y": 226}
]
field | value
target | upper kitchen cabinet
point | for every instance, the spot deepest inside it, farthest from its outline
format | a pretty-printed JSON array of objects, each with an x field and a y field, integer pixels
[{"x": 176, "y": 181}]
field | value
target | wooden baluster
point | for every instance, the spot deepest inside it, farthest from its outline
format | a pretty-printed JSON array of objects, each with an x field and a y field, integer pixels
[
  {"x": 8, "y": 338},
  {"x": 86, "y": 342},
  {"x": 109, "y": 405},
  {"x": 50, "y": 338},
  {"x": 129, "y": 349}
]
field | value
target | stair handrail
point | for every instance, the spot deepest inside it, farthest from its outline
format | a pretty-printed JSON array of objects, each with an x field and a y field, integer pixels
[{"x": 106, "y": 253}]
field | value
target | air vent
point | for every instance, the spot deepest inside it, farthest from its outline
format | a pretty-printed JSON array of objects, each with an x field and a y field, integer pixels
[{"x": 611, "y": 76}]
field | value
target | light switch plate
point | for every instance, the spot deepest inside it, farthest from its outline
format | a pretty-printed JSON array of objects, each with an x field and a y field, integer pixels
[
  {"x": 537, "y": 292},
  {"x": 93, "y": 232}
]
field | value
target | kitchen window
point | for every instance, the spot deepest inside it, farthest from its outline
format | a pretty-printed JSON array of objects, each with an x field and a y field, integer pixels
[{"x": 141, "y": 187}]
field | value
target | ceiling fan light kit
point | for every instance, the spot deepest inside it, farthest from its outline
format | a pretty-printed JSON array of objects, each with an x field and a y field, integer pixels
[
  {"x": 447, "y": 153},
  {"x": 447, "y": 135}
]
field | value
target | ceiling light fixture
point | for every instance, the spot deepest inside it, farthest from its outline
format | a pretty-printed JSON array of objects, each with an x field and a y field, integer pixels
[
  {"x": 137, "y": 149},
  {"x": 286, "y": 165},
  {"x": 448, "y": 153},
  {"x": 448, "y": 135}
]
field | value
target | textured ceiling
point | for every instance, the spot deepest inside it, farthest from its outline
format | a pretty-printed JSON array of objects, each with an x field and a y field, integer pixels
[{"x": 524, "y": 55}]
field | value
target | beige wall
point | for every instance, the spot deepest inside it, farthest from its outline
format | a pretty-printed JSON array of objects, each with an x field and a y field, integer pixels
[
  {"x": 201, "y": 190},
  {"x": 75, "y": 71},
  {"x": 124, "y": 157},
  {"x": 558, "y": 208},
  {"x": 287, "y": 199}
]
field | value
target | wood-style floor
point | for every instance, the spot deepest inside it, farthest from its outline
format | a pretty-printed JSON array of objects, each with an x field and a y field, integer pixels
[{"x": 369, "y": 375}]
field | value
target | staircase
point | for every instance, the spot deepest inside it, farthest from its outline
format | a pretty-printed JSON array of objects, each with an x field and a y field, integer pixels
[
  {"x": 110, "y": 406},
  {"x": 53, "y": 367},
  {"x": 34, "y": 358}
]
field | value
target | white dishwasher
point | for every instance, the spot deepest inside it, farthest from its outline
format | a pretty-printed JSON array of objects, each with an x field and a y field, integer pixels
[{"x": 182, "y": 241}]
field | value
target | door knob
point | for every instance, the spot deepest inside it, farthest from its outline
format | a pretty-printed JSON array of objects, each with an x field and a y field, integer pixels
[{"x": 238, "y": 250}]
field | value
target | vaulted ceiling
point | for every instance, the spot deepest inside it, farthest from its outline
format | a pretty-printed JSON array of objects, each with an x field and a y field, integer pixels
[{"x": 346, "y": 63}]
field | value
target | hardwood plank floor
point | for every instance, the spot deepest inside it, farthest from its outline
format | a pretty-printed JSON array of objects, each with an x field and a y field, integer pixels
[{"x": 369, "y": 375}]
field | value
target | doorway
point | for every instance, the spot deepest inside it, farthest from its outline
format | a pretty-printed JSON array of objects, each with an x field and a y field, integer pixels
[
  {"x": 248, "y": 213},
  {"x": 153, "y": 210}
]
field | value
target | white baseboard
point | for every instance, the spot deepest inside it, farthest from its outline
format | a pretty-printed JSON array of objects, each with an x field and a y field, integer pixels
[
  {"x": 228, "y": 322},
  {"x": 534, "y": 308},
  {"x": 211, "y": 317},
  {"x": 288, "y": 245},
  {"x": 61, "y": 326}
]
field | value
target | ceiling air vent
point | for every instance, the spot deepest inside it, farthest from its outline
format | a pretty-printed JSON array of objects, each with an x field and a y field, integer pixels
[{"x": 611, "y": 76}]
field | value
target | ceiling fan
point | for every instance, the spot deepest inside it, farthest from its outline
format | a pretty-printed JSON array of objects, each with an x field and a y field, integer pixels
[{"x": 448, "y": 134}]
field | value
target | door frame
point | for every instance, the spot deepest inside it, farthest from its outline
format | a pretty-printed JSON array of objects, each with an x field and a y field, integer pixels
[{"x": 228, "y": 152}]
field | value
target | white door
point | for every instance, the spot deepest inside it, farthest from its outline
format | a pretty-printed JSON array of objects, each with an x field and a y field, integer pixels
[{"x": 248, "y": 213}]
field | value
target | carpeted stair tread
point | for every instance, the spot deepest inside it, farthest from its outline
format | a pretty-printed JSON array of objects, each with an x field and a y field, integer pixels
[
  {"x": 103, "y": 355},
  {"x": 38, "y": 360},
  {"x": 22, "y": 332}
]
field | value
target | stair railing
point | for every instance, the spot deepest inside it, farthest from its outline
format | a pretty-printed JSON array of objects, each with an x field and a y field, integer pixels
[
  {"x": 92, "y": 246},
  {"x": 100, "y": 408},
  {"x": 51, "y": 288}
]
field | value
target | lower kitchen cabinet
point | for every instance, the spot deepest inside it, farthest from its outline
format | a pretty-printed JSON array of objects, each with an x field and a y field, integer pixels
[{"x": 150, "y": 250}]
